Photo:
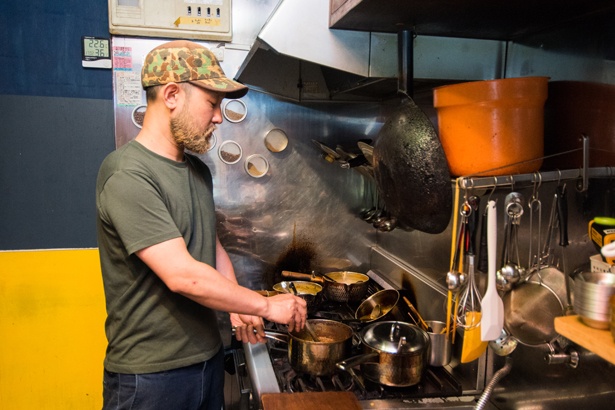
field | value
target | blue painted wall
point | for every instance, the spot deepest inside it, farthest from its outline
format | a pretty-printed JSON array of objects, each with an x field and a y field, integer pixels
[
  {"x": 56, "y": 123},
  {"x": 41, "y": 51}
]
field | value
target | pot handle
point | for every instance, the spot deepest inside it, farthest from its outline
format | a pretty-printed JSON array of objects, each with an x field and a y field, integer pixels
[
  {"x": 348, "y": 364},
  {"x": 279, "y": 336},
  {"x": 302, "y": 276},
  {"x": 271, "y": 334}
]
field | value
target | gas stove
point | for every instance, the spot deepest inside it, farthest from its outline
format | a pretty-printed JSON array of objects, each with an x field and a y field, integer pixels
[{"x": 270, "y": 371}]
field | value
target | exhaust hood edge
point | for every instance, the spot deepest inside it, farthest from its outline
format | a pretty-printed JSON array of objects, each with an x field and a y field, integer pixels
[
  {"x": 296, "y": 55},
  {"x": 297, "y": 37}
]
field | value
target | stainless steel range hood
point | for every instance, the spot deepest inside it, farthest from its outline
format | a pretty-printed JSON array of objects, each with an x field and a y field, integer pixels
[{"x": 297, "y": 56}]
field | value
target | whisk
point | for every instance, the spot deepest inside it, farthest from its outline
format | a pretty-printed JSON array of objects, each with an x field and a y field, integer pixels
[{"x": 469, "y": 299}]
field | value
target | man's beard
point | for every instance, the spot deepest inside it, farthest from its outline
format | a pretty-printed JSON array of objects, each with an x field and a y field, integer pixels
[{"x": 186, "y": 135}]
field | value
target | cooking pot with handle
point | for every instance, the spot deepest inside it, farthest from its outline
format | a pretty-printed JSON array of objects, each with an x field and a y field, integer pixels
[
  {"x": 340, "y": 286},
  {"x": 395, "y": 354},
  {"x": 317, "y": 358},
  {"x": 311, "y": 292}
]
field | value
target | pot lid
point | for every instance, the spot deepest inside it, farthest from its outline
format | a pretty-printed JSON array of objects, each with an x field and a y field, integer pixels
[{"x": 396, "y": 337}]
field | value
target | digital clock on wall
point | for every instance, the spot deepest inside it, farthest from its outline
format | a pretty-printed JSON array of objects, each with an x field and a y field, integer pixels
[{"x": 95, "y": 52}]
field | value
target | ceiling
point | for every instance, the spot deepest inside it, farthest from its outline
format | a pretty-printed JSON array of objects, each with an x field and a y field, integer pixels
[{"x": 484, "y": 19}]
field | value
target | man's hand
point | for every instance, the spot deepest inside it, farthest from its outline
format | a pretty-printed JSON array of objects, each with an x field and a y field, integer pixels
[
  {"x": 287, "y": 309},
  {"x": 248, "y": 329}
]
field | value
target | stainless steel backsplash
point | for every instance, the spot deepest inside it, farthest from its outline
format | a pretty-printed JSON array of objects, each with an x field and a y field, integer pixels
[{"x": 305, "y": 215}]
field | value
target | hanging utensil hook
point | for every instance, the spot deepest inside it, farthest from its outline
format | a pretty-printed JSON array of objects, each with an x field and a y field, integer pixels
[
  {"x": 495, "y": 185},
  {"x": 535, "y": 206},
  {"x": 537, "y": 180}
]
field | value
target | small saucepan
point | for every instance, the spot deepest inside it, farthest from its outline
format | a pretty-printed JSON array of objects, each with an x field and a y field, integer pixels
[
  {"x": 395, "y": 354},
  {"x": 309, "y": 291},
  {"x": 378, "y": 306},
  {"x": 342, "y": 286},
  {"x": 346, "y": 286}
]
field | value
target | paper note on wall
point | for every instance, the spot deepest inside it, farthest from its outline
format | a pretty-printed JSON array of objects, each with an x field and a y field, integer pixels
[{"x": 128, "y": 88}]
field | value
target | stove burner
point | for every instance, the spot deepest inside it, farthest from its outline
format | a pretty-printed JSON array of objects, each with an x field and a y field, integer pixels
[
  {"x": 340, "y": 381},
  {"x": 436, "y": 382}
]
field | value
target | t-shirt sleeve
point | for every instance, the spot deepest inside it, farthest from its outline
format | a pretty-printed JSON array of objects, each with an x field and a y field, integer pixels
[{"x": 132, "y": 204}]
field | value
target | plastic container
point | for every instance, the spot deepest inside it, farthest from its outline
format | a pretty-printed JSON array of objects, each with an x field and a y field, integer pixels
[{"x": 493, "y": 127}]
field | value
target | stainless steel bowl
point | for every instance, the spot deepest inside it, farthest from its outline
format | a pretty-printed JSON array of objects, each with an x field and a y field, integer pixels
[{"x": 592, "y": 292}]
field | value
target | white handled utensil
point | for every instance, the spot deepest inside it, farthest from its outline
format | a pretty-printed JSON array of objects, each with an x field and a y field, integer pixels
[{"x": 492, "y": 307}]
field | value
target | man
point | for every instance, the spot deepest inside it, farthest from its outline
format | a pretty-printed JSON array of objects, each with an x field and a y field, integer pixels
[{"x": 165, "y": 272}]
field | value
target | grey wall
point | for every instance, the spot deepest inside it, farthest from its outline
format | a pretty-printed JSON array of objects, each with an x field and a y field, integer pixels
[{"x": 51, "y": 148}]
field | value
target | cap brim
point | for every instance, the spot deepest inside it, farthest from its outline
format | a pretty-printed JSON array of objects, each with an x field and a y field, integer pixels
[{"x": 231, "y": 89}]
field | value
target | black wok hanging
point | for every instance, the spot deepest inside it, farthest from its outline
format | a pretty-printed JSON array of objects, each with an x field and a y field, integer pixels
[{"x": 410, "y": 166}]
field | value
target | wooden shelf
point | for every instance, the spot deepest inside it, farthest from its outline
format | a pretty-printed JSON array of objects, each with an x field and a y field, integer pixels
[{"x": 595, "y": 340}]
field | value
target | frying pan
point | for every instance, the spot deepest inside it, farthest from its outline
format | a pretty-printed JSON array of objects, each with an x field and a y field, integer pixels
[{"x": 410, "y": 166}]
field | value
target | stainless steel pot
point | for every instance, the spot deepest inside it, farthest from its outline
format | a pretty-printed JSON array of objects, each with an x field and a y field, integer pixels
[
  {"x": 317, "y": 358},
  {"x": 340, "y": 286},
  {"x": 345, "y": 286},
  {"x": 378, "y": 306},
  {"x": 311, "y": 292},
  {"x": 396, "y": 354}
]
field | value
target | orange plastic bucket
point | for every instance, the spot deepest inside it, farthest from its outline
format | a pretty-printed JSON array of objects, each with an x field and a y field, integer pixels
[{"x": 493, "y": 127}]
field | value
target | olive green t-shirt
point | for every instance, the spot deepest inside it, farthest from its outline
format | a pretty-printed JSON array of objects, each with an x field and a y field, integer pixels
[{"x": 143, "y": 199}]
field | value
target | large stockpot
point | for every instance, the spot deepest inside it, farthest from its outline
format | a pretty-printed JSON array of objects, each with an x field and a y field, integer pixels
[
  {"x": 317, "y": 358},
  {"x": 395, "y": 354}
]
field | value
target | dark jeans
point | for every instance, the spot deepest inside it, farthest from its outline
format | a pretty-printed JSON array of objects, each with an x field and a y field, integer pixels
[{"x": 200, "y": 386}]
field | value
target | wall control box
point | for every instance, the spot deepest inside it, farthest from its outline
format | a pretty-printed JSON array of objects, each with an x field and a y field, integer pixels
[{"x": 188, "y": 19}]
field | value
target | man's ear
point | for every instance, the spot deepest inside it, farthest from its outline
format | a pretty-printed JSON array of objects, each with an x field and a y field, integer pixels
[{"x": 171, "y": 94}]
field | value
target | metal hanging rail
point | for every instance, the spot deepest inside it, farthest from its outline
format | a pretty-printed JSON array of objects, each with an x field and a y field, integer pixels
[
  {"x": 537, "y": 177},
  {"x": 582, "y": 174}
]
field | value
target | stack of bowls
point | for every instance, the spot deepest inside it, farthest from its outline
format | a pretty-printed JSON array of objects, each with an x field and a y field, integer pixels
[{"x": 592, "y": 293}]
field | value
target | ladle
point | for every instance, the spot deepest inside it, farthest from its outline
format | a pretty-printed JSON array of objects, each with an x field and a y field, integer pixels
[
  {"x": 455, "y": 278},
  {"x": 287, "y": 288},
  {"x": 510, "y": 273}
]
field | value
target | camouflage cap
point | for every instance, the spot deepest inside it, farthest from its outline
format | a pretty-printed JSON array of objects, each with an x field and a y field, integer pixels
[{"x": 185, "y": 61}]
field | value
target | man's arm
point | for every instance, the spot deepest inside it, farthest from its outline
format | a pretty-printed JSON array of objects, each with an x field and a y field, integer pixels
[{"x": 172, "y": 262}]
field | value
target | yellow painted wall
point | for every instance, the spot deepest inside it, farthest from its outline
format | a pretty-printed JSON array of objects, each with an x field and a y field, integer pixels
[{"x": 52, "y": 339}]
